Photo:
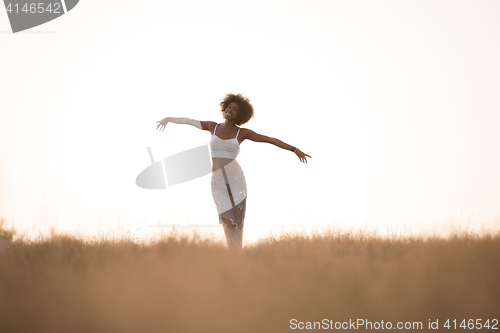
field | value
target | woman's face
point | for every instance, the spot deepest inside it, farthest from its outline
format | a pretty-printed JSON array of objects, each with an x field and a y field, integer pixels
[{"x": 232, "y": 111}]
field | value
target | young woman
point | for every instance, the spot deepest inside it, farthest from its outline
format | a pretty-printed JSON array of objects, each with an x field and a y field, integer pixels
[{"x": 229, "y": 189}]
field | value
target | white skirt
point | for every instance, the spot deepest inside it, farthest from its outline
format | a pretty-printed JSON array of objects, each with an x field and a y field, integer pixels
[{"x": 227, "y": 212}]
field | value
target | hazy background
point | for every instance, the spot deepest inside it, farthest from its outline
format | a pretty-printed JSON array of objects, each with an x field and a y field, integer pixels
[{"x": 396, "y": 101}]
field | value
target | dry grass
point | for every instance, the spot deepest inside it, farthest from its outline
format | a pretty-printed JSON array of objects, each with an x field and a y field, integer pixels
[{"x": 176, "y": 284}]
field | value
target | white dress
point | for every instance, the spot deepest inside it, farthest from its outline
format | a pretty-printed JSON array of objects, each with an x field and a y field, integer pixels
[{"x": 231, "y": 212}]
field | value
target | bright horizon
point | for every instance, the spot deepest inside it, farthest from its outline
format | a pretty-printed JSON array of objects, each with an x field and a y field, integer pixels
[{"x": 396, "y": 103}]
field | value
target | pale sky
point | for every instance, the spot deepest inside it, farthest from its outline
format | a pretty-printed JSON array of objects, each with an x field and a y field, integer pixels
[{"x": 396, "y": 102}]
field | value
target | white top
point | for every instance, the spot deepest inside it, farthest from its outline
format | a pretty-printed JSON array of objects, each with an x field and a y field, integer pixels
[{"x": 224, "y": 148}]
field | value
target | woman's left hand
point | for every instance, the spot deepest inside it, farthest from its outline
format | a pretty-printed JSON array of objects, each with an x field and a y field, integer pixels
[{"x": 302, "y": 155}]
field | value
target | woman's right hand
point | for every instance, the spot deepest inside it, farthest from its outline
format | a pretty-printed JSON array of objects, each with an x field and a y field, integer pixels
[{"x": 162, "y": 124}]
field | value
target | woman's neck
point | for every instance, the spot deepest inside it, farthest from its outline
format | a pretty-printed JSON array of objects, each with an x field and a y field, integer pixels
[{"x": 229, "y": 123}]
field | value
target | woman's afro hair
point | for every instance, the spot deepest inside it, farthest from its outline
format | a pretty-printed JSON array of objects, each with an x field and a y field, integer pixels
[{"x": 246, "y": 109}]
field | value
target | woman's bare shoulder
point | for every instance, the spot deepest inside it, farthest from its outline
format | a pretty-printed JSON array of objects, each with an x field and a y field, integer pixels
[
  {"x": 245, "y": 132},
  {"x": 208, "y": 125}
]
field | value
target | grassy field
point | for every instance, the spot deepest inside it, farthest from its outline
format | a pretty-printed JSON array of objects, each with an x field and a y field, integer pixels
[{"x": 187, "y": 284}]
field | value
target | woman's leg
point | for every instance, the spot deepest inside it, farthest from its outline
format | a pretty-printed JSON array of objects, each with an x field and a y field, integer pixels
[
  {"x": 233, "y": 222},
  {"x": 231, "y": 209}
]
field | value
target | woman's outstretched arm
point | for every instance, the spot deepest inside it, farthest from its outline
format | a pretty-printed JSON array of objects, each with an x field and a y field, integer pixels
[
  {"x": 203, "y": 125},
  {"x": 252, "y": 136},
  {"x": 162, "y": 123}
]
